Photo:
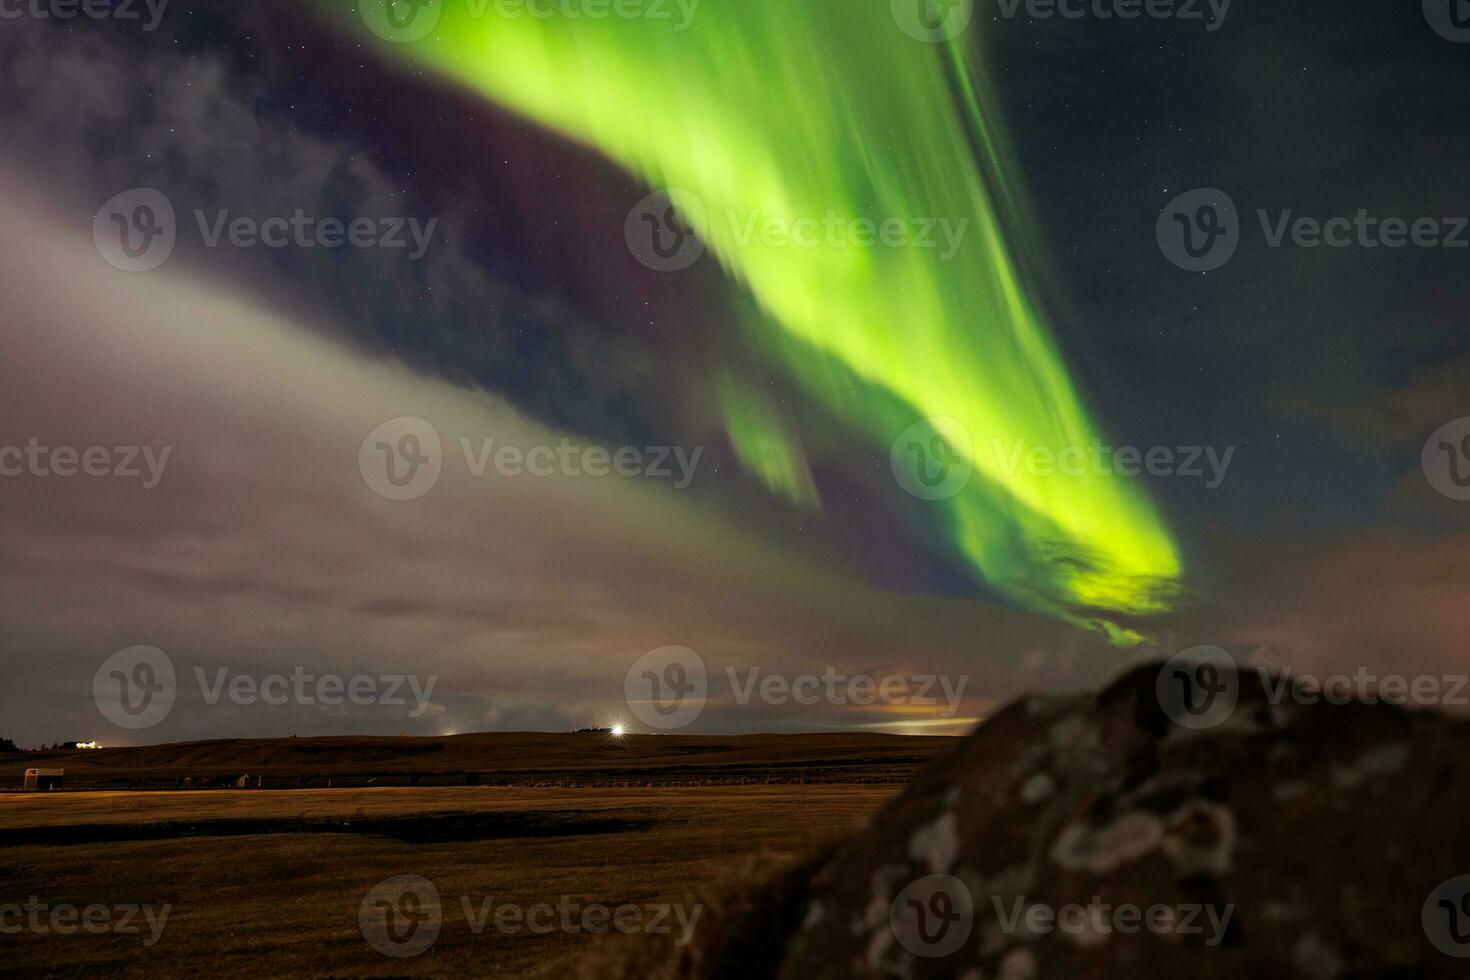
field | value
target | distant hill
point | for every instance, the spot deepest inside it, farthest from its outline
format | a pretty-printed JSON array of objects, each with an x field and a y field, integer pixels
[{"x": 511, "y": 758}]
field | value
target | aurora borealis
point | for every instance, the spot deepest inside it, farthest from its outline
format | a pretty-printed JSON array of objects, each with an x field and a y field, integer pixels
[
  {"x": 798, "y": 110},
  {"x": 909, "y": 254}
]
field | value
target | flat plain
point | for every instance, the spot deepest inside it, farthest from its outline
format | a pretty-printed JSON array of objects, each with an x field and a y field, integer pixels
[{"x": 273, "y": 881}]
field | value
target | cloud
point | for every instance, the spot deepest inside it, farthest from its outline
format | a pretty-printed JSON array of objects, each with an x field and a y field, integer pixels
[
  {"x": 90, "y": 114},
  {"x": 264, "y": 545},
  {"x": 1403, "y": 415}
]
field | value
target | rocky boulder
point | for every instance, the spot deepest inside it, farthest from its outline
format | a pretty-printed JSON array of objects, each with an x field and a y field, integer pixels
[{"x": 1132, "y": 834}]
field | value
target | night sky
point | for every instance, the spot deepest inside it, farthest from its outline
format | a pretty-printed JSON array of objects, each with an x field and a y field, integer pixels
[{"x": 797, "y": 373}]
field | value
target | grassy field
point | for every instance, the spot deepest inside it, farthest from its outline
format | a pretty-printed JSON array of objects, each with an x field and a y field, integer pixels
[{"x": 272, "y": 882}]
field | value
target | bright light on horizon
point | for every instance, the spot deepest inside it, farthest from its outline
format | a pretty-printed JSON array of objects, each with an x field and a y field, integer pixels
[{"x": 617, "y": 731}]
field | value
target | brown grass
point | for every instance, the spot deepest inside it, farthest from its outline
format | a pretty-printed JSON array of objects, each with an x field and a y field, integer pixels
[{"x": 286, "y": 902}]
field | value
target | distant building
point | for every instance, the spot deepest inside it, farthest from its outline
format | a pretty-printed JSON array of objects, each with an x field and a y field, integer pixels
[{"x": 45, "y": 778}]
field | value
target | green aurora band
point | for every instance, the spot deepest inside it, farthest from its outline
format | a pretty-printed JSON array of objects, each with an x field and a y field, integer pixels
[{"x": 792, "y": 109}]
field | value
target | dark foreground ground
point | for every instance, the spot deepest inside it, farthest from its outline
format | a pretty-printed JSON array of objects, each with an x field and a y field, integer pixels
[
  {"x": 580, "y": 833},
  {"x": 1223, "y": 828}
]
